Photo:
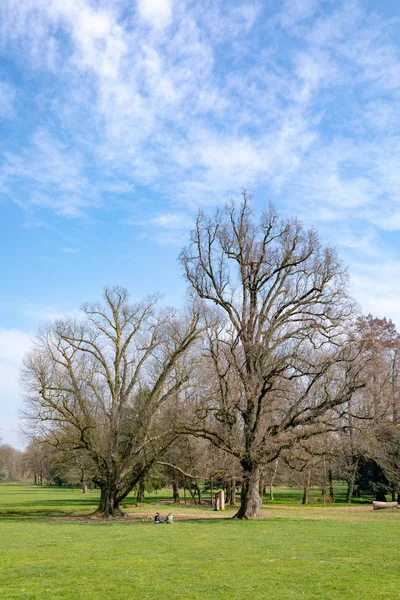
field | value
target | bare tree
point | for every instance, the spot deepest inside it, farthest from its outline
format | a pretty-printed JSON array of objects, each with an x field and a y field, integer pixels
[
  {"x": 11, "y": 463},
  {"x": 377, "y": 405},
  {"x": 280, "y": 355},
  {"x": 38, "y": 461},
  {"x": 100, "y": 386}
]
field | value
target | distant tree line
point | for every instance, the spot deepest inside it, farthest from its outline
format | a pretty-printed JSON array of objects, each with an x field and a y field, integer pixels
[
  {"x": 13, "y": 464},
  {"x": 268, "y": 375}
]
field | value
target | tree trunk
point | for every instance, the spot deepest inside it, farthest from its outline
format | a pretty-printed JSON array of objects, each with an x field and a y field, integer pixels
[
  {"x": 272, "y": 481},
  {"x": 330, "y": 481},
  {"x": 306, "y": 487},
  {"x": 261, "y": 486},
  {"x": 250, "y": 501},
  {"x": 380, "y": 496},
  {"x": 140, "y": 491},
  {"x": 84, "y": 484},
  {"x": 192, "y": 492},
  {"x": 109, "y": 503},
  {"x": 381, "y": 505},
  {"x": 228, "y": 490},
  {"x": 323, "y": 485},
  {"x": 198, "y": 490},
  {"x": 175, "y": 491},
  {"x": 350, "y": 485},
  {"x": 323, "y": 492},
  {"x": 232, "y": 497}
]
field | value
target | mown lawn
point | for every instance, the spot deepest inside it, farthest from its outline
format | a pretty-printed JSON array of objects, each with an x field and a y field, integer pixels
[{"x": 295, "y": 552}]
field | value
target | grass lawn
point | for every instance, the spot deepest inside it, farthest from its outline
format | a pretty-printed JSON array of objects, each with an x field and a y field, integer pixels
[{"x": 295, "y": 552}]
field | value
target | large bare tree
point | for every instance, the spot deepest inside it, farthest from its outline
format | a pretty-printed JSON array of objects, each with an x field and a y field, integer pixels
[
  {"x": 279, "y": 360},
  {"x": 100, "y": 385}
]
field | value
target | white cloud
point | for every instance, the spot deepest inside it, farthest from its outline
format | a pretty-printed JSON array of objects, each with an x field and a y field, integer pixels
[
  {"x": 52, "y": 174},
  {"x": 98, "y": 39},
  {"x": 378, "y": 299},
  {"x": 156, "y": 13},
  {"x": 296, "y": 11},
  {"x": 173, "y": 221},
  {"x": 48, "y": 313},
  {"x": 181, "y": 98}
]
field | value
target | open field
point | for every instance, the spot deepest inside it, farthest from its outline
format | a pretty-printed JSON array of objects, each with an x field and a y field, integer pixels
[{"x": 295, "y": 552}]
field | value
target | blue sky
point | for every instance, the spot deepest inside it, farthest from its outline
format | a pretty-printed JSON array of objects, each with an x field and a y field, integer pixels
[{"x": 119, "y": 119}]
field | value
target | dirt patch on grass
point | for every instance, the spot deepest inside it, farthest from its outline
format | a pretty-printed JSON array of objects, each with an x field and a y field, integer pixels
[
  {"x": 306, "y": 512},
  {"x": 144, "y": 517}
]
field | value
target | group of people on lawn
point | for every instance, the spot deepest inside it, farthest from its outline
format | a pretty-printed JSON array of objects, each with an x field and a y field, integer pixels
[{"x": 169, "y": 519}]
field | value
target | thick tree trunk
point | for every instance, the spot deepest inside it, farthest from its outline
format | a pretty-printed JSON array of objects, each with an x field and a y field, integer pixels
[
  {"x": 140, "y": 491},
  {"x": 109, "y": 503},
  {"x": 175, "y": 491},
  {"x": 250, "y": 501},
  {"x": 380, "y": 496},
  {"x": 330, "y": 481},
  {"x": 381, "y": 505}
]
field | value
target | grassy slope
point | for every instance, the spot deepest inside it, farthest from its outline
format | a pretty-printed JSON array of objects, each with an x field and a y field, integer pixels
[{"x": 294, "y": 552}]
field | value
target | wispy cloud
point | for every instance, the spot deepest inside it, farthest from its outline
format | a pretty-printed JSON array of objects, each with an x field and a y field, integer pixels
[
  {"x": 51, "y": 175},
  {"x": 299, "y": 101},
  {"x": 173, "y": 221},
  {"x": 381, "y": 299},
  {"x": 156, "y": 13}
]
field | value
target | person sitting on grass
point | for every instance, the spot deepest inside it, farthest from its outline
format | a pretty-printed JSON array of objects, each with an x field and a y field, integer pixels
[
  {"x": 157, "y": 518},
  {"x": 170, "y": 518}
]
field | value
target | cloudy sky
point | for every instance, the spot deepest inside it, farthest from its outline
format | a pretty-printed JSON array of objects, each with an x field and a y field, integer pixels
[{"x": 120, "y": 118}]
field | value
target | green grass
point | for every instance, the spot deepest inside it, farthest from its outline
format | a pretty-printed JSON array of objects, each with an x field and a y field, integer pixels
[
  {"x": 28, "y": 500},
  {"x": 292, "y": 496},
  {"x": 295, "y": 552}
]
